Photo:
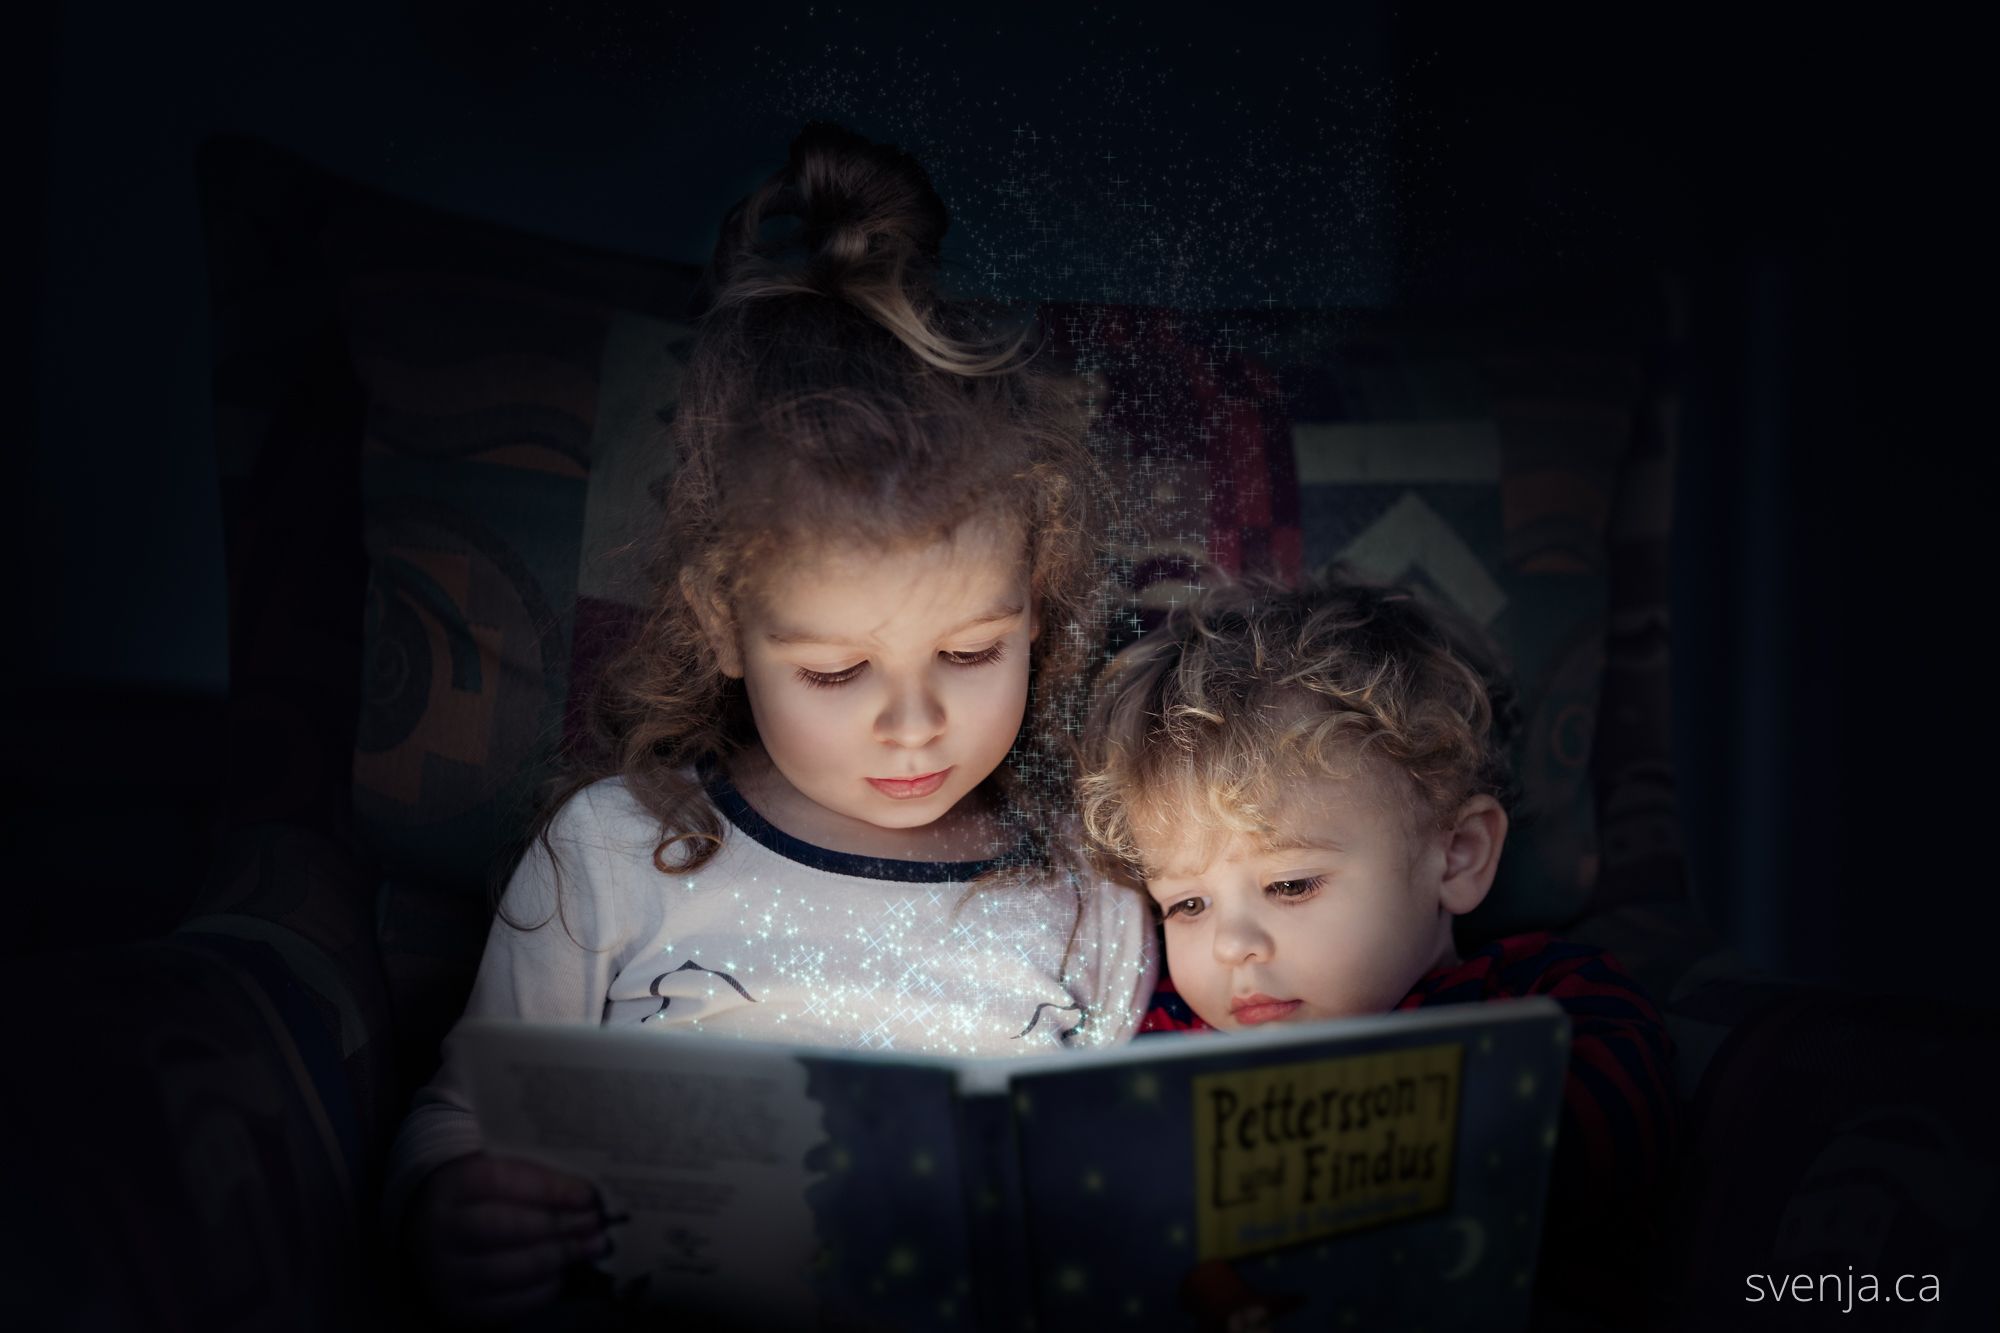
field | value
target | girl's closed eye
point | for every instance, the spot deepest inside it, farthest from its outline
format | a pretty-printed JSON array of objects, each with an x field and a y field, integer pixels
[
  {"x": 828, "y": 679},
  {"x": 1295, "y": 890},
  {"x": 821, "y": 680},
  {"x": 984, "y": 657}
]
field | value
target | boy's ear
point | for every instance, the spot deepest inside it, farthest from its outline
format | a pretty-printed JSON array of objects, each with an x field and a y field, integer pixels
[
  {"x": 717, "y": 625},
  {"x": 1472, "y": 854},
  {"x": 1034, "y": 616}
]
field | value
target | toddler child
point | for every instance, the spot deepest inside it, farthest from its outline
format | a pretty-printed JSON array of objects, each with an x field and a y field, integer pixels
[
  {"x": 1312, "y": 784},
  {"x": 827, "y": 797}
]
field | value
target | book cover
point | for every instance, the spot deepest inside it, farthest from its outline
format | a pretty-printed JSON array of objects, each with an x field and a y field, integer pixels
[{"x": 1361, "y": 1173}]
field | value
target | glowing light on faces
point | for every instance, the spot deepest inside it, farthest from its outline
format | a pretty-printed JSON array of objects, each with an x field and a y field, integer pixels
[
  {"x": 1339, "y": 913},
  {"x": 886, "y": 685}
]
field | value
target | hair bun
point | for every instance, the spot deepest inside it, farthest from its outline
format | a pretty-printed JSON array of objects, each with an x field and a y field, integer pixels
[
  {"x": 867, "y": 212},
  {"x": 856, "y": 197},
  {"x": 870, "y": 228}
]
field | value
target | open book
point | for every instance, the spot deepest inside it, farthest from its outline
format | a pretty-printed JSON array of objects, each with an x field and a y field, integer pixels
[{"x": 1375, "y": 1172}]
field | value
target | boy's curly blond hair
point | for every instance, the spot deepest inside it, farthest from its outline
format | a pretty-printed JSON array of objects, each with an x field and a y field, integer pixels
[{"x": 1250, "y": 686}]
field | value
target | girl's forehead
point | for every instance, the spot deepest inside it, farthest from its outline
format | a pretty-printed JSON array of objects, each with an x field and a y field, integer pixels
[
  {"x": 972, "y": 544},
  {"x": 855, "y": 590}
]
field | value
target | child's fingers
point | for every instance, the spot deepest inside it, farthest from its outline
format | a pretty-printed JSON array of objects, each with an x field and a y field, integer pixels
[
  {"x": 488, "y": 1224},
  {"x": 526, "y": 1182}
]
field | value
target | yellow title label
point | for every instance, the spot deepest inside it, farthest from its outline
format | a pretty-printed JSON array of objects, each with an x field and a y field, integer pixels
[{"x": 1291, "y": 1153}]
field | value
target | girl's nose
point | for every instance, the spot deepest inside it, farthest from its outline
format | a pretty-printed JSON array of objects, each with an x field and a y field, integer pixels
[
  {"x": 1241, "y": 937},
  {"x": 912, "y": 717}
]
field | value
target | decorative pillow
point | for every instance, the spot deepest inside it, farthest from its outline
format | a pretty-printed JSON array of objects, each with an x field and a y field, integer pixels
[
  {"x": 422, "y": 421},
  {"x": 517, "y": 390},
  {"x": 1195, "y": 436},
  {"x": 515, "y": 398},
  {"x": 1482, "y": 462}
]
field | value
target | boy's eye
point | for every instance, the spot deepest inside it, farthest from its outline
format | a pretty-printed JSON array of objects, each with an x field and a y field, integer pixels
[
  {"x": 1295, "y": 888},
  {"x": 821, "y": 680},
  {"x": 980, "y": 658},
  {"x": 1185, "y": 907}
]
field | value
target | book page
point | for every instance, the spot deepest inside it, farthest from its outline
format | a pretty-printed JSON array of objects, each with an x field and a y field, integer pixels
[{"x": 698, "y": 1145}]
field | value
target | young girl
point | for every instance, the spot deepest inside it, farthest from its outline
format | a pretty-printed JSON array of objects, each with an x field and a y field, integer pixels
[{"x": 839, "y": 752}]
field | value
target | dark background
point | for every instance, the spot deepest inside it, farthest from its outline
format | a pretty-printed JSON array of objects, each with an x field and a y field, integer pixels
[{"x": 1830, "y": 725}]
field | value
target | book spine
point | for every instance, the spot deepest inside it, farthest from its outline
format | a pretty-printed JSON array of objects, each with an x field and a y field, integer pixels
[{"x": 996, "y": 1221}]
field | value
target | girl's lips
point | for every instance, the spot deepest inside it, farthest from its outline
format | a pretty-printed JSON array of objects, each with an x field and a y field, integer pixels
[
  {"x": 909, "y": 789},
  {"x": 1256, "y": 1009}
]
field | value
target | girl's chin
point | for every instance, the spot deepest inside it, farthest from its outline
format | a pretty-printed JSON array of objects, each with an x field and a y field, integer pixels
[
  {"x": 945, "y": 820},
  {"x": 899, "y": 819},
  {"x": 887, "y": 813}
]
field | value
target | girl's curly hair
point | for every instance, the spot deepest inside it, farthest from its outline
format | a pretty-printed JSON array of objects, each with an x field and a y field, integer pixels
[{"x": 833, "y": 394}]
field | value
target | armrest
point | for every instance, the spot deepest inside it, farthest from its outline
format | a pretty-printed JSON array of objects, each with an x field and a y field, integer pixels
[
  {"x": 184, "y": 1152},
  {"x": 198, "y": 1136},
  {"x": 1833, "y": 1133}
]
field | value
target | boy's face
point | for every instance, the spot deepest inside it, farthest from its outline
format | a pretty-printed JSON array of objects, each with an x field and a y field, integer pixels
[{"x": 1341, "y": 912}]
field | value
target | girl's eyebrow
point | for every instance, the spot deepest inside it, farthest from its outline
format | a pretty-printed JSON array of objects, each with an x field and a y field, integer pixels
[{"x": 783, "y": 635}]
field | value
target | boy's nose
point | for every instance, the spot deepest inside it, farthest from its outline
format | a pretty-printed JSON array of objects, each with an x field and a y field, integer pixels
[
  {"x": 912, "y": 717},
  {"x": 1241, "y": 938}
]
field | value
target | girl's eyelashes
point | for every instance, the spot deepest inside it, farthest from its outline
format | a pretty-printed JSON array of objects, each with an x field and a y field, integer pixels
[
  {"x": 1185, "y": 908},
  {"x": 983, "y": 657},
  {"x": 821, "y": 680}
]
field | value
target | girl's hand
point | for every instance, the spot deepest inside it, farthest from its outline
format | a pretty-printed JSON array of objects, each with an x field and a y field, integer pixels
[{"x": 488, "y": 1237}]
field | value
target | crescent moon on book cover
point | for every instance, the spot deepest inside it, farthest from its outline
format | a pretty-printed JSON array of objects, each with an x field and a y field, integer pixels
[{"x": 1475, "y": 1245}]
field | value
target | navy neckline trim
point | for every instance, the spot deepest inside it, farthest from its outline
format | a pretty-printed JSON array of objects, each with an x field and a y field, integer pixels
[{"x": 738, "y": 812}]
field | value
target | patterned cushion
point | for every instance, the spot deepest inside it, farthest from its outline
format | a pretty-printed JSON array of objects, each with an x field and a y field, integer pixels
[
  {"x": 516, "y": 390},
  {"x": 422, "y": 422},
  {"x": 1483, "y": 464},
  {"x": 1515, "y": 470},
  {"x": 495, "y": 381}
]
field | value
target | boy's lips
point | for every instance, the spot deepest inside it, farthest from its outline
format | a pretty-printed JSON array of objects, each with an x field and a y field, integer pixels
[
  {"x": 1251, "y": 1010},
  {"x": 909, "y": 789}
]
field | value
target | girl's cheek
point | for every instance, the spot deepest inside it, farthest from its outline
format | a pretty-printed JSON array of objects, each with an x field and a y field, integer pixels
[
  {"x": 807, "y": 718},
  {"x": 993, "y": 703}
]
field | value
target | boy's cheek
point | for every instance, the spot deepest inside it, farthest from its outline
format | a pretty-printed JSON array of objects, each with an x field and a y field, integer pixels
[{"x": 1194, "y": 974}]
